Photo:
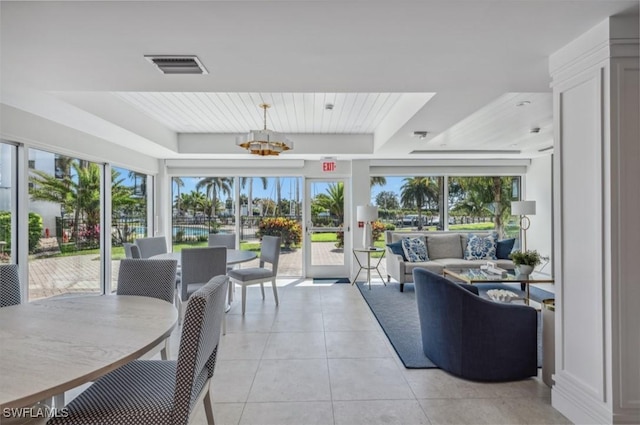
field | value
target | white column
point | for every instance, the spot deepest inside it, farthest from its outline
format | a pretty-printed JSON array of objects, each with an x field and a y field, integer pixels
[{"x": 597, "y": 226}]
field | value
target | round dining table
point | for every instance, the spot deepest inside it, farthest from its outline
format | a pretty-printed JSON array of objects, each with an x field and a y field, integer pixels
[
  {"x": 50, "y": 346},
  {"x": 234, "y": 256}
]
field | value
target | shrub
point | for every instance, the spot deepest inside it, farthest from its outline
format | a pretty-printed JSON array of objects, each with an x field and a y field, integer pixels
[
  {"x": 390, "y": 226},
  {"x": 288, "y": 229},
  {"x": 35, "y": 229}
]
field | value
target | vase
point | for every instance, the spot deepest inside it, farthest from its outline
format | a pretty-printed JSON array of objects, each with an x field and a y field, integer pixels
[{"x": 523, "y": 269}]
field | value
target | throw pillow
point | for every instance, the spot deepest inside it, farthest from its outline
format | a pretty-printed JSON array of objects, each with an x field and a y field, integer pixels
[
  {"x": 396, "y": 248},
  {"x": 504, "y": 248},
  {"x": 481, "y": 247},
  {"x": 414, "y": 250}
]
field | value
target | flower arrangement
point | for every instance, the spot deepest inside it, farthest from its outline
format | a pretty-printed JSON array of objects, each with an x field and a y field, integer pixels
[
  {"x": 289, "y": 230},
  {"x": 526, "y": 258}
]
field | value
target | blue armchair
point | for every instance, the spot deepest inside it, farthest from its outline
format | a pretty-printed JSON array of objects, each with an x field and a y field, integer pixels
[{"x": 472, "y": 337}]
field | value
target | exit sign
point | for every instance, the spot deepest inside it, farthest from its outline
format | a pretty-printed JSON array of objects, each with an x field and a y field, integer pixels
[{"x": 328, "y": 166}]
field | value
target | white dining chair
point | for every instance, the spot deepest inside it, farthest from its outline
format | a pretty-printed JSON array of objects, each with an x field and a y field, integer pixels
[
  {"x": 160, "y": 392},
  {"x": 269, "y": 253}
]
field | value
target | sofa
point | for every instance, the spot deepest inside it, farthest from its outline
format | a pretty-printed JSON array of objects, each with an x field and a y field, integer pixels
[
  {"x": 444, "y": 250},
  {"x": 472, "y": 337}
]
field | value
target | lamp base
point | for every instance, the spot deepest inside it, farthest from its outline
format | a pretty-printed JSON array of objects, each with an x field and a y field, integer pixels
[{"x": 366, "y": 239}]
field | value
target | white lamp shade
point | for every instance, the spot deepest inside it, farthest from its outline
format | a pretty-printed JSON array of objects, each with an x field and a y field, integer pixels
[
  {"x": 523, "y": 207},
  {"x": 366, "y": 213}
]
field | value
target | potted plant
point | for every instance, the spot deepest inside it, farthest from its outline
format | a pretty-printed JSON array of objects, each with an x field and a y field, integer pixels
[{"x": 525, "y": 261}]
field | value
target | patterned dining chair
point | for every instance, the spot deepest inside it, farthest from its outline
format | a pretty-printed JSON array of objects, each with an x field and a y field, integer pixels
[
  {"x": 149, "y": 278},
  {"x": 160, "y": 392},
  {"x": 9, "y": 285},
  {"x": 269, "y": 253}
]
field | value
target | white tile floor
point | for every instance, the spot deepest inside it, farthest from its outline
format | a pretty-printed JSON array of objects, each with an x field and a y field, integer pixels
[{"x": 321, "y": 358}]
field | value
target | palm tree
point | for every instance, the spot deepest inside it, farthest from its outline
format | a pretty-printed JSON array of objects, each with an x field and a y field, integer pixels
[
  {"x": 79, "y": 191},
  {"x": 213, "y": 186},
  {"x": 179, "y": 183},
  {"x": 377, "y": 181},
  {"x": 418, "y": 192},
  {"x": 249, "y": 180},
  {"x": 333, "y": 200}
]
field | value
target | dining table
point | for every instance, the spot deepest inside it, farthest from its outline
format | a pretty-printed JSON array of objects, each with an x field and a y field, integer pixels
[
  {"x": 234, "y": 256},
  {"x": 52, "y": 345}
]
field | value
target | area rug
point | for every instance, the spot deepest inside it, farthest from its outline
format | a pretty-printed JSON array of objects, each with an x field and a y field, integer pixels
[
  {"x": 331, "y": 280},
  {"x": 397, "y": 314}
]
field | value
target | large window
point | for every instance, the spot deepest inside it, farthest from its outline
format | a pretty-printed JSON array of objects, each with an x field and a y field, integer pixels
[
  {"x": 64, "y": 225},
  {"x": 411, "y": 202},
  {"x": 129, "y": 204},
  {"x": 483, "y": 203},
  {"x": 202, "y": 205},
  {"x": 7, "y": 201}
]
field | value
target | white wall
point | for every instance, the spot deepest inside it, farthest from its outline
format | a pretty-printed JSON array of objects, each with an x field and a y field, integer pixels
[
  {"x": 538, "y": 187},
  {"x": 596, "y": 95}
]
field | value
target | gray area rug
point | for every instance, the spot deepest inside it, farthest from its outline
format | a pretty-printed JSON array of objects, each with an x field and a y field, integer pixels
[{"x": 397, "y": 314}]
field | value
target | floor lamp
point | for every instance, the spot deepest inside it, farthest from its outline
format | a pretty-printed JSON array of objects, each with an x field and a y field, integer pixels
[
  {"x": 524, "y": 209},
  {"x": 367, "y": 214}
]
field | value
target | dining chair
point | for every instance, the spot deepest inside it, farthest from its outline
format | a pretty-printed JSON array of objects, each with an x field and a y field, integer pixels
[
  {"x": 199, "y": 265},
  {"x": 9, "y": 285},
  {"x": 152, "y": 246},
  {"x": 269, "y": 253},
  {"x": 160, "y": 392},
  {"x": 149, "y": 278},
  {"x": 223, "y": 239},
  {"x": 131, "y": 250}
]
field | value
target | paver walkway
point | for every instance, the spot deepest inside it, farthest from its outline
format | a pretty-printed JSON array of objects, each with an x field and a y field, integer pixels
[{"x": 80, "y": 273}]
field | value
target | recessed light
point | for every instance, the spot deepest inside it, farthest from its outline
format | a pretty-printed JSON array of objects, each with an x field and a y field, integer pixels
[
  {"x": 328, "y": 106},
  {"x": 523, "y": 103}
]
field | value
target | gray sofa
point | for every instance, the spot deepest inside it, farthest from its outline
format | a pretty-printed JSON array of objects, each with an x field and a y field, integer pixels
[{"x": 444, "y": 249}]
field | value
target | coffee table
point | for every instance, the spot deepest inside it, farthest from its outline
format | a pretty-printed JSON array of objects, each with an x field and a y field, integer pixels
[{"x": 472, "y": 276}]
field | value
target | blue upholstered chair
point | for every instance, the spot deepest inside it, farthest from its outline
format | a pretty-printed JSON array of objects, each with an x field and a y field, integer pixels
[
  {"x": 472, "y": 337},
  {"x": 160, "y": 392},
  {"x": 9, "y": 285}
]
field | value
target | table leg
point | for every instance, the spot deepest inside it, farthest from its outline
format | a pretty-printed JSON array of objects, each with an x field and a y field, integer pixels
[{"x": 369, "y": 269}]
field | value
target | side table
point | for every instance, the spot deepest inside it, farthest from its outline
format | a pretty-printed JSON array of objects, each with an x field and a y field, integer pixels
[{"x": 368, "y": 267}]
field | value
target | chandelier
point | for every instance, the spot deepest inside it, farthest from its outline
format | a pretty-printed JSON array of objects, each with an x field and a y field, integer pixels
[{"x": 265, "y": 142}]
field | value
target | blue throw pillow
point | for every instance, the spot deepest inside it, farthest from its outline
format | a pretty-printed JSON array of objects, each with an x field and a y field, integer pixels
[
  {"x": 481, "y": 247},
  {"x": 415, "y": 250},
  {"x": 396, "y": 248},
  {"x": 504, "y": 248}
]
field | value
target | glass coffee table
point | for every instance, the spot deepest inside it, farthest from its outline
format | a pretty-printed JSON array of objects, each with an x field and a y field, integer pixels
[{"x": 472, "y": 276}]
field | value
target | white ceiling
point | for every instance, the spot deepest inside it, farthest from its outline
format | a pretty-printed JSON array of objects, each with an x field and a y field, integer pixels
[
  {"x": 453, "y": 68},
  {"x": 350, "y": 113}
]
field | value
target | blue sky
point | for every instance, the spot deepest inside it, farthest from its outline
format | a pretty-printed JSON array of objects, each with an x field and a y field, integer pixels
[{"x": 289, "y": 187}]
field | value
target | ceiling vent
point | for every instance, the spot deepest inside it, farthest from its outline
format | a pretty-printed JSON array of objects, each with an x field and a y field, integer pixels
[{"x": 176, "y": 64}]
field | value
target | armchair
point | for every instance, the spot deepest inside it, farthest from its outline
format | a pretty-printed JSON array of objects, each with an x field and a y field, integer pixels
[{"x": 472, "y": 337}]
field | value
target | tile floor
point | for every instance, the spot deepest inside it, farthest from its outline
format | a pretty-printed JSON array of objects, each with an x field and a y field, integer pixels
[{"x": 322, "y": 358}]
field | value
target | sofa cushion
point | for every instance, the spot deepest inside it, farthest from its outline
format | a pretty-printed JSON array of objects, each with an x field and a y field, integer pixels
[
  {"x": 504, "y": 247},
  {"x": 444, "y": 246},
  {"x": 460, "y": 263},
  {"x": 414, "y": 250},
  {"x": 506, "y": 264},
  {"x": 398, "y": 236},
  {"x": 481, "y": 247},
  {"x": 432, "y": 266},
  {"x": 396, "y": 248}
]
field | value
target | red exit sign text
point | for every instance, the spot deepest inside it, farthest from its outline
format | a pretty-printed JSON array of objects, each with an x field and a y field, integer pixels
[{"x": 328, "y": 166}]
